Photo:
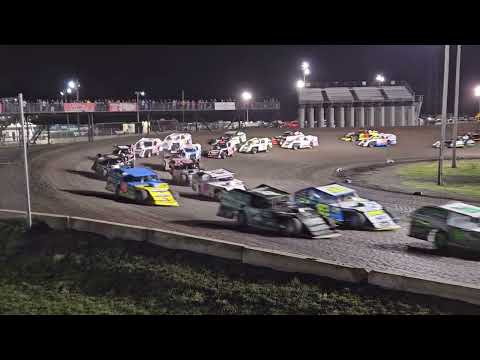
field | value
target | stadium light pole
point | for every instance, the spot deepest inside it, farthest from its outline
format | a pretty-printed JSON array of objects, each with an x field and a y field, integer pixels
[
  {"x": 477, "y": 95},
  {"x": 246, "y": 96},
  {"x": 75, "y": 85},
  {"x": 65, "y": 99},
  {"x": 444, "y": 115},
  {"x": 25, "y": 161},
  {"x": 138, "y": 94},
  {"x": 455, "y": 110}
]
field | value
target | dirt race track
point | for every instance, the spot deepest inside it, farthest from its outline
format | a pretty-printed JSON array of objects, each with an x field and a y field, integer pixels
[{"x": 62, "y": 182}]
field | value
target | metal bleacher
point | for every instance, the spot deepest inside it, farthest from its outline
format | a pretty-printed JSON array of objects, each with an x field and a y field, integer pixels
[
  {"x": 398, "y": 93},
  {"x": 368, "y": 93},
  {"x": 339, "y": 94}
]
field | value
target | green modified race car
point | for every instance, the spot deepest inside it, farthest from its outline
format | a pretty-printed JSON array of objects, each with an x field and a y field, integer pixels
[
  {"x": 343, "y": 206},
  {"x": 454, "y": 225}
]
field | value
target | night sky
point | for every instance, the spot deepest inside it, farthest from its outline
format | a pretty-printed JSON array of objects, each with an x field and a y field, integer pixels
[{"x": 223, "y": 71}]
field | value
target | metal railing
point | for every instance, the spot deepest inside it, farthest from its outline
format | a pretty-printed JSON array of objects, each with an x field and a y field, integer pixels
[{"x": 11, "y": 107}]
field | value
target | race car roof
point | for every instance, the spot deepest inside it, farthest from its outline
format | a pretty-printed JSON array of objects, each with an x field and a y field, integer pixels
[
  {"x": 335, "y": 189},
  {"x": 267, "y": 191},
  {"x": 462, "y": 208},
  {"x": 138, "y": 171},
  {"x": 219, "y": 173}
]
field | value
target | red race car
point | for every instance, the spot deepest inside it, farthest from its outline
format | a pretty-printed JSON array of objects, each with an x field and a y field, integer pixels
[{"x": 291, "y": 125}]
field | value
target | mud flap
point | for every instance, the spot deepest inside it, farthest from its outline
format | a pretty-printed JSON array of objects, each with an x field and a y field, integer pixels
[{"x": 316, "y": 226}]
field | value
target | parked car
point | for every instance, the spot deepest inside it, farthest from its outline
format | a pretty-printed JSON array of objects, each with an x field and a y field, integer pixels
[
  {"x": 141, "y": 185},
  {"x": 255, "y": 145},
  {"x": 267, "y": 208},
  {"x": 343, "y": 206},
  {"x": 455, "y": 225}
]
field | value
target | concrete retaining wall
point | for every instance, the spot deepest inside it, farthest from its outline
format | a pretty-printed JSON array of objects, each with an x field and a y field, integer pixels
[
  {"x": 258, "y": 256},
  {"x": 450, "y": 290}
]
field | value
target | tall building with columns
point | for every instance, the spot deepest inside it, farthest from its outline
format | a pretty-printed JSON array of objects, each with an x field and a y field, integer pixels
[{"x": 358, "y": 105}]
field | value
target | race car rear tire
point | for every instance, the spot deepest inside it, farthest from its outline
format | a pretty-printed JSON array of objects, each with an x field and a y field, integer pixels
[
  {"x": 293, "y": 227},
  {"x": 371, "y": 144},
  {"x": 241, "y": 219},
  {"x": 441, "y": 240},
  {"x": 141, "y": 195},
  {"x": 355, "y": 220},
  {"x": 184, "y": 178},
  {"x": 296, "y": 146},
  {"x": 218, "y": 195},
  {"x": 104, "y": 173},
  {"x": 223, "y": 155}
]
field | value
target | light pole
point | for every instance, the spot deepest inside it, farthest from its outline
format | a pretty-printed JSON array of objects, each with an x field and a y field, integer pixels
[
  {"x": 455, "y": 110},
  {"x": 25, "y": 161},
  {"x": 444, "y": 115},
  {"x": 65, "y": 99},
  {"x": 246, "y": 97},
  {"x": 138, "y": 94},
  {"x": 75, "y": 85}
]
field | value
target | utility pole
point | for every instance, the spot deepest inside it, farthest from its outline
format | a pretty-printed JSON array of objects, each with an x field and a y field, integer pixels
[
  {"x": 444, "y": 115},
  {"x": 183, "y": 109},
  {"x": 25, "y": 161},
  {"x": 455, "y": 111}
]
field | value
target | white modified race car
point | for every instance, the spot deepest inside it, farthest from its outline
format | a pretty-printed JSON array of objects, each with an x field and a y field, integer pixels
[
  {"x": 296, "y": 142},
  {"x": 222, "y": 150},
  {"x": 460, "y": 143},
  {"x": 213, "y": 183},
  {"x": 255, "y": 145},
  {"x": 236, "y": 137},
  {"x": 146, "y": 147},
  {"x": 176, "y": 142},
  {"x": 382, "y": 140}
]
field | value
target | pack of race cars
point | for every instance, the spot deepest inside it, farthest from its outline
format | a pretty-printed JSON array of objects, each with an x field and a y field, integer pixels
[
  {"x": 316, "y": 211},
  {"x": 370, "y": 138}
]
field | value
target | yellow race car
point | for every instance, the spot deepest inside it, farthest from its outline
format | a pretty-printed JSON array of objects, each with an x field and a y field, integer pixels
[
  {"x": 140, "y": 185},
  {"x": 360, "y": 135}
]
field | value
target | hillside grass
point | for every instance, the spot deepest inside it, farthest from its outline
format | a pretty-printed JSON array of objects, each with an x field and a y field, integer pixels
[
  {"x": 52, "y": 272},
  {"x": 463, "y": 180}
]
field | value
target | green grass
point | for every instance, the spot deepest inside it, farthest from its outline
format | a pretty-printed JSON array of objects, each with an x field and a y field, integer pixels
[
  {"x": 463, "y": 180},
  {"x": 49, "y": 272}
]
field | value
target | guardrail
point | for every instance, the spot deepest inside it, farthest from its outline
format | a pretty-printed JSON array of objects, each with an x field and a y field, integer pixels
[{"x": 256, "y": 256}]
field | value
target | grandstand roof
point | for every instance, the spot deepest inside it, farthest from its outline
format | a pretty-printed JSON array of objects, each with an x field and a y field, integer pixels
[{"x": 356, "y": 92}]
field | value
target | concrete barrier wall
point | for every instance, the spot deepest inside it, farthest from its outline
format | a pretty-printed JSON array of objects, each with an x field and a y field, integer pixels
[
  {"x": 258, "y": 256},
  {"x": 301, "y": 264},
  {"x": 450, "y": 290}
]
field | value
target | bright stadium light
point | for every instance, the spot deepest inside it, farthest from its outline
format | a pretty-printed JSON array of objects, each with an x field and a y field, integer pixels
[
  {"x": 306, "y": 71},
  {"x": 69, "y": 90},
  {"x": 142, "y": 93},
  {"x": 300, "y": 84},
  {"x": 62, "y": 93},
  {"x": 71, "y": 84},
  {"x": 246, "y": 96},
  {"x": 305, "y": 65},
  {"x": 477, "y": 91},
  {"x": 380, "y": 78}
]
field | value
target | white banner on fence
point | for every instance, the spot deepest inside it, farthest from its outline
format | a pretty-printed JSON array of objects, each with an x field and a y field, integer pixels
[{"x": 224, "y": 106}]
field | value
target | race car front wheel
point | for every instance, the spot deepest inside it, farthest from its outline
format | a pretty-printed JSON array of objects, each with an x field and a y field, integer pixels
[
  {"x": 355, "y": 220},
  {"x": 296, "y": 146},
  {"x": 254, "y": 150}
]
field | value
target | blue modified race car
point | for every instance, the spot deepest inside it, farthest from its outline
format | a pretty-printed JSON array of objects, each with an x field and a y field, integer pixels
[
  {"x": 141, "y": 185},
  {"x": 345, "y": 207}
]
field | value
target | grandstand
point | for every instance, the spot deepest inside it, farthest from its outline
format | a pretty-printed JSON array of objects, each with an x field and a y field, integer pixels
[{"x": 358, "y": 105}]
